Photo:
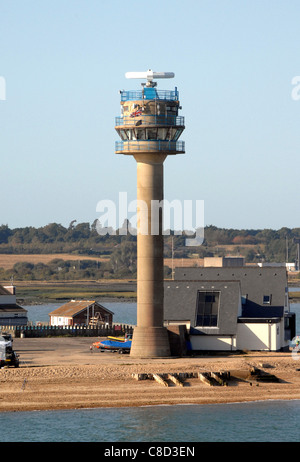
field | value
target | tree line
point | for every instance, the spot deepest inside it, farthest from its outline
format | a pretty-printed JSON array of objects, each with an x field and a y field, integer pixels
[{"x": 120, "y": 250}]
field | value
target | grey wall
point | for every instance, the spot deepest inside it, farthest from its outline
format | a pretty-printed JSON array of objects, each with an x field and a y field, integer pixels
[
  {"x": 180, "y": 303},
  {"x": 255, "y": 282}
]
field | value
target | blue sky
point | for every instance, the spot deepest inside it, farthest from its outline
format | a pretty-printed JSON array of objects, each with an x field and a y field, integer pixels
[{"x": 64, "y": 62}]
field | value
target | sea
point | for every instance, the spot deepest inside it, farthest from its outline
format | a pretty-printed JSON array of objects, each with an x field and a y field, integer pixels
[{"x": 186, "y": 425}]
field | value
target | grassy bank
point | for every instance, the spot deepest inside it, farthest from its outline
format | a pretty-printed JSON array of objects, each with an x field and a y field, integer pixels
[
  {"x": 34, "y": 292},
  {"x": 44, "y": 292},
  {"x": 295, "y": 296}
]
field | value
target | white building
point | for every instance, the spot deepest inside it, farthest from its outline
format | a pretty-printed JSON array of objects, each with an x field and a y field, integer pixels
[{"x": 11, "y": 314}]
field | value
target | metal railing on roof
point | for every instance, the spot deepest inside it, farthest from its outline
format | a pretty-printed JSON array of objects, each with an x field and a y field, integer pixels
[
  {"x": 176, "y": 121},
  {"x": 132, "y": 95}
]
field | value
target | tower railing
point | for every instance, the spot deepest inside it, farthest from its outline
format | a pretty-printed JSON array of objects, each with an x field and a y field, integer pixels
[
  {"x": 150, "y": 146},
  {"x": 176, "y": 121},
  {"x": 134, "y": 95}
]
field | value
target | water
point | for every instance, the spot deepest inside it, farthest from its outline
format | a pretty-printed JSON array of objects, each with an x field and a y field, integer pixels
[
  {"x": 295, "y": 308},
  {"x": 241, "y": 422},
  {"x": 124, "y": 313}
]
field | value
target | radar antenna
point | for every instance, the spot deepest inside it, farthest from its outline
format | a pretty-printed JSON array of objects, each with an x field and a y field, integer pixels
[{"x": 150, "y": 75}]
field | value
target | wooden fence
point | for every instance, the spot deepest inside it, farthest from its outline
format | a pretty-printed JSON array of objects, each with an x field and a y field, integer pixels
[{"x": 80, "y": 331}]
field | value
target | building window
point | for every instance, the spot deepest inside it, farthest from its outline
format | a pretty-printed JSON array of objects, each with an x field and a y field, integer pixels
[
  {"x": 267, "y": 300},
  {"x": 207, "y": 308}
]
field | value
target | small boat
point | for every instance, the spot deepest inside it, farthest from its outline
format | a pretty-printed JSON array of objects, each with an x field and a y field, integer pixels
[
  {"x": 121, "y": 339},
  {"x": 115, "y": 345},
  {"x": 117, "y": 339}
]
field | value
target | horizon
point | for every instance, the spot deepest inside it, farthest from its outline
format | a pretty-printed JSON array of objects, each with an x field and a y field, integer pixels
[{"x": 170, "y": 229}]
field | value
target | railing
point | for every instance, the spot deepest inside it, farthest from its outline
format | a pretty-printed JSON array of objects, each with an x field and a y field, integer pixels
[
  {"x": 149, "y": 93},
  {"x": 102, "y": 330},
  {"x": 175, "y": 121},
  {"x": 150, "y": 146}
]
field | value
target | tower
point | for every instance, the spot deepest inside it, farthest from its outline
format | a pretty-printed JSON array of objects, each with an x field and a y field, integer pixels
[{"x": 149, "y": 128}]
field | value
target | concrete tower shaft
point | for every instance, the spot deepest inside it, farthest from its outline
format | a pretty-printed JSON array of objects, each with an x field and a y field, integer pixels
[{"x": 149, "y": 128}]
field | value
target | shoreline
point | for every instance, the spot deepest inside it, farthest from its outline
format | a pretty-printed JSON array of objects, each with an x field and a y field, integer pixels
[
  {"x": 151, "y": 405},
  {"x": 101, "y": 299},
  {"x": 64, "y": 374}
]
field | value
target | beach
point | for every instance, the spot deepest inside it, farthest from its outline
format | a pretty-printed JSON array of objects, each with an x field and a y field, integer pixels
[{"x": 65, "y": 373}]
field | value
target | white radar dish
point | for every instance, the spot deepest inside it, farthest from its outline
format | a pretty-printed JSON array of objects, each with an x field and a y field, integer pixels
[{"x": 149, "y": 75}]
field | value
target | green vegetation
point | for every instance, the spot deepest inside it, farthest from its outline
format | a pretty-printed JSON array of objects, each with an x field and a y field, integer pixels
[
  {"x": 120, "y": 250},
  {"x": 57, "y": 270},
  {"x": 51, "y": 292},
  {"x": 295, "y": 295},
  {"x": 255, "y": 245}
]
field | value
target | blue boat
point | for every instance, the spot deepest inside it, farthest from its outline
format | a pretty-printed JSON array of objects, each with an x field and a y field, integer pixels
[{"x": 121, "y": 346}]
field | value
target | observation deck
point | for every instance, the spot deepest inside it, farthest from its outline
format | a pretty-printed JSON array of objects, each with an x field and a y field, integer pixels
[
  {"x": 149, "y": 122},
  {"x": 150, "y": 146}
]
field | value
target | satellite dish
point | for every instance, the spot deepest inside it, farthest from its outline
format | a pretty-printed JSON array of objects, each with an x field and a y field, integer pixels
[{"x": 149, "y": 75}]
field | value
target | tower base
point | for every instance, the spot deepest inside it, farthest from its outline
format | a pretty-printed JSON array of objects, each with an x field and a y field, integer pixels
[{"x": 150, "y": 342}]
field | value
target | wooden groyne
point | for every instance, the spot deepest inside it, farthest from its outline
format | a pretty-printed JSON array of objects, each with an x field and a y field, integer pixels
[
  {"x": 178, "y": 378},
  {"x": 219, "y": 378},
  {"x": 165, "y": 379}
]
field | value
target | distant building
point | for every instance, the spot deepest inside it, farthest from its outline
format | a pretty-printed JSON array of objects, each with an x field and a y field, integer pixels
[
  {"x": 241, "y": 308},
  {"x": 81, "y": 312},
  {"x": 11, "y": 314},
  {"x": 223, "y": 262},
  {"x": 290, "y": 266},
  {"x": 272, "y": 264}
]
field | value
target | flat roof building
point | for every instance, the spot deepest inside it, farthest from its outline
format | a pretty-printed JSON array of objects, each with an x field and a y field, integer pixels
[{"x": 225, "y": 262}]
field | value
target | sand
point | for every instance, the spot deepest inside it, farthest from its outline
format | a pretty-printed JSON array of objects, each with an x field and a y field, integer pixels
[{"x": 63, "y": 373}]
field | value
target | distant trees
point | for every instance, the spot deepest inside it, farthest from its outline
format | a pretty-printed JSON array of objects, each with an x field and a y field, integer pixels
[
  {"x": 56, "y": 269},
  {"x": 123, "y": 259},
  {"x": 244, "y": 240},
  {"x": 55, "y": 238},
  {"x": 120, "y": 249},
  {"x": 5, "y": 233}
]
